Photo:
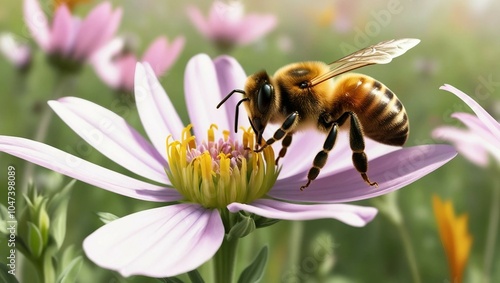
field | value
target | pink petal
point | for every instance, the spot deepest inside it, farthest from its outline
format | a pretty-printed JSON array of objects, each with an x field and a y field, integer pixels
[
  {"x": 353, "y": 215},
  {"x": 37, "y": 23},
  {"x": 198, "y": 20},
  {"x": 392, "y": 171},
  {"x": 158, "y": 115},
  {"x": 62, "y": 31},
  {"x": 16, "y": 52},
  {"x": 484, "y": 116},
  {"x": 127, "y": 65},
  {"x": 75, "y": 167},
  {"x": 479, "y": 128},
  {"x": 159, "y": 242},
  {"x": 97, "y": 28},
  {"x": 111, "y": 135},
  {"x": 231, "y": 76},
  {"x": 203, "y": 95},
  {"x": 105, "y": 65},
  {"x": 161, "y": 56},
  {"x": 254, "y": 27},
  {"x": 466, "y": 143}
]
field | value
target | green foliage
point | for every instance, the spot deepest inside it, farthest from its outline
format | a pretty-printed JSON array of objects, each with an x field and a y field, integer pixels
[
  {"x": 254, "y": 272},
  {"x": 5, "y": 276}
]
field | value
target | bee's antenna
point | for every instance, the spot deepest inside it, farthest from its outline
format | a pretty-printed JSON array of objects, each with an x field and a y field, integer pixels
[
  {"x": 237, "y": 112},
  {"x": 229, "y": 95},
  {"x": 237, "y": 105}
]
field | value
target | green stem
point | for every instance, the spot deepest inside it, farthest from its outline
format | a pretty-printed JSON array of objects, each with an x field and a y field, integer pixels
[
  {"x": 224, "y": 261},
  {"x": 296, "y": 235},
  {"x": 61, "y": 84},
  {"x": 225, "y": 258},
  {"x": 42, "y": 128},
  {"x": 389, "y": 206},
  {"x": 491, "y": 236},
  {"x": 410, "y": 252}
]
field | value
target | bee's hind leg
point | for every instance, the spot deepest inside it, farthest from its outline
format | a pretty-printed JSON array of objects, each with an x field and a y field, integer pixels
[{"x": 357, "y": 144}]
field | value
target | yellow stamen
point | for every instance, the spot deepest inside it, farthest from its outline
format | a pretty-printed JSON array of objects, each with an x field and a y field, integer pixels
[
  {"x": 211, "y": 132},
  {"x": 224, "y": 172},
  {"x": 225, "y": 134}
]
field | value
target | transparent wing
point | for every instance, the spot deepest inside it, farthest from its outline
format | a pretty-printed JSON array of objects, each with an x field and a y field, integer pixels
[{"x": 381, "y": 53}]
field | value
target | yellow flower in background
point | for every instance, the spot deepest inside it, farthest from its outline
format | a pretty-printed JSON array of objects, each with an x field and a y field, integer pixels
[{"x": 454, "y": 235}]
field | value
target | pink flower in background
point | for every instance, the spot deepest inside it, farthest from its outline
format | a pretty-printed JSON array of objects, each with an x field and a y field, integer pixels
[
  {"x": 115, "y": 64},
  {"x": 67, "y": 37},
  {"x": 17, "y": 54},
  {"x": 227, "y": 25},
  {"x": 480, "y": 138},
  {"x": 203, "y": 179}
]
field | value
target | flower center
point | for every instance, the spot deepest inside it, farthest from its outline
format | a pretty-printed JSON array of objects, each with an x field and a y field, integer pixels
[
  {"x": 217, "y": 173},
  {"x": 71, "y": 4}
]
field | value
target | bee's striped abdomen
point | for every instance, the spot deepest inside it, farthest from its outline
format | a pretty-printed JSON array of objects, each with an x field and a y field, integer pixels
[{"x": 382, "y": 116}]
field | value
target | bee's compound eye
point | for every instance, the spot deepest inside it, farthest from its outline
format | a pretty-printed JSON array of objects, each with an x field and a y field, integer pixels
[{"x": 264, "y": 97}]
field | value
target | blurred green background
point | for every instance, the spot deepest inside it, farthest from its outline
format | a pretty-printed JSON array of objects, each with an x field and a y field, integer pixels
[{"x": 460, "y": 46}]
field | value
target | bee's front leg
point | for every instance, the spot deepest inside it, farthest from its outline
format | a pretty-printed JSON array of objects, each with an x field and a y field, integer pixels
[{"x": 286, "y": 128}]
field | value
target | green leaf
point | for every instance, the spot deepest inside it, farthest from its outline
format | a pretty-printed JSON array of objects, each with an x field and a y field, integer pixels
[
  {"x": 35, "y": 241},
  {"x": 261, "y": 222},
  {"x": 58, "y": 210},
  {"x": 242, "y": 228},
  {"x": 195, "y": 276},
  {"x": 253, "y": 273},
  {"x": 44, "y": 223},
  {"x": 49, "y": 272},
  {"x": 70, "y": 273},
  {"x": 171, "y": 280},
  {"x": 107, "y": 217},
  {"x": 67, "y": 256},
  {"x": 6, "y": 274},
  {"x": 4, "y": 215},
  {"x": 60, "y": 196}
]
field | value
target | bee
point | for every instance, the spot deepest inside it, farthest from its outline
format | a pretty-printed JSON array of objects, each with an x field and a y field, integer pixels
[{"x": 324, "y": 97}]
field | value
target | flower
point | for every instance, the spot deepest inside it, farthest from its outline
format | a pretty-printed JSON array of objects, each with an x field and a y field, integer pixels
[
  {"x": 67, "y": 40},
  {"x": 179, "y": 237},
  {"x": 454, "y": 235},
  {"x": 16, "y": 53},
  {"x": 115, "y": 64},
  {"x": 228, "y": 26},
  {"x": 481, "y": 137}
]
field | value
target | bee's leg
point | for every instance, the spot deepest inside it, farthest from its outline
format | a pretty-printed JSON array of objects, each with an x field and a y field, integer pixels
[
  {"x": 286, "y": 127},
  {"x": 284, "y": 146},
  {"x": 357, "y": 144},
  {"x": 322, "y": 156}
]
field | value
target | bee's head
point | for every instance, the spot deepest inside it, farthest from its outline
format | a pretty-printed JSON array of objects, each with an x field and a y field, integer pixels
[{"x": 260, "y": 102}]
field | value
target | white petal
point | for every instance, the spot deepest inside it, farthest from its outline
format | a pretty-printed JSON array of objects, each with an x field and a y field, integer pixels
[
  {"x": 111, "y": 135},
  {"x": 231, "y": 76},
  {"x": 158, "y": 115},
  {"x": 202, "y": 96},
  {"x": 349, "y": 214},
  {"x": 37, "y": 23},
  {"x": 160, "y": 242},
  {"x": 75, "y": 167},
  {"x": 484, "y": 116},
  {"x": 104, "y": 65}
]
